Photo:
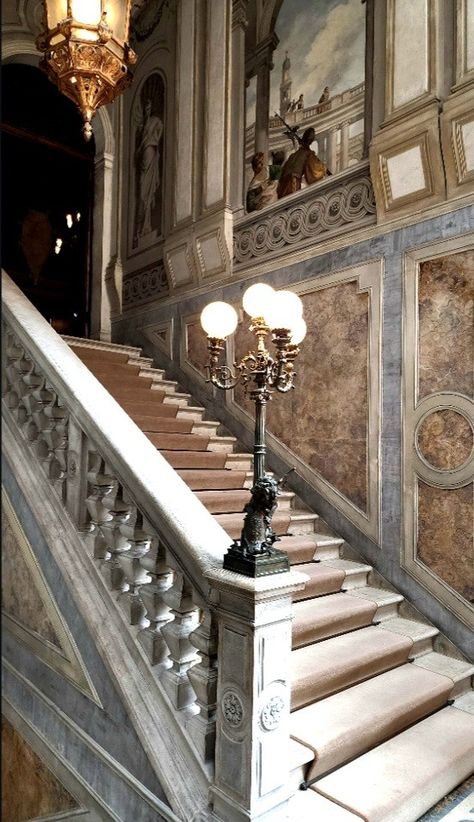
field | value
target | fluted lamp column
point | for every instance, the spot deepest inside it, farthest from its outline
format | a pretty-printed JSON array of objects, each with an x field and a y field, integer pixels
[
  {"x": 279, "y": 314},
  {"x": 86, "y": 52}
]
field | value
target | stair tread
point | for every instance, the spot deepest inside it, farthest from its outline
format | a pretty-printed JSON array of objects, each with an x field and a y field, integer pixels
[
  {"x": 404, "y": 777},
  {"x": 381, "y": 596},
  {"x": 455, "y": 669},
  {"x": 347, "y": 565},
  {"x": 326, "y": 667},
  {"x": 319, "y": 618},
  {"x": 224, "y": 501},
  {"x": 410, "y": 628},
  {"x": 351, "y": 722},
  {"x": 195, "y": 459},
  {"x": 213, "y": 478},
  {"x": 178, "y": 442},
  {"x": 322, "y": 580},
  {"x": 150, "y": 424},
  {"x": 101, "y": 347}
]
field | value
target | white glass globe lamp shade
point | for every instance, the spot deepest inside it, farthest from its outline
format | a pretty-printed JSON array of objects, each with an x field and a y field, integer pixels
[
  {"x": 219, "y": 320},
  {"x": 256, "y": 298},
  {"x": 283, "y": 310},
  {"x": 298, "y": 331}
]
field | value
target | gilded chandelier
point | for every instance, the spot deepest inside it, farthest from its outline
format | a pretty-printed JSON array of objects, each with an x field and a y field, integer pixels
[
  {"x": 279, "y": 314},
  {"x": 85, "y": 51}
]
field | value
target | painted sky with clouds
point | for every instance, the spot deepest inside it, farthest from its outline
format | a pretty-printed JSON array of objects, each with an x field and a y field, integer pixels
[{"x": 325, "y": 40}]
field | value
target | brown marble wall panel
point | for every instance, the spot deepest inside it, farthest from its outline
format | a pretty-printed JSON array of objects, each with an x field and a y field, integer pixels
[
  {"x": 446, "y": 324},
  {"x": 29, "y": 789},
  {"x": 445, "y": 539},
  {"x": 20, "y": 596},
  {"x": 324, "y": 420},
  {"x": 196, "y": 346},
  {"x": 445, "y": 439}
]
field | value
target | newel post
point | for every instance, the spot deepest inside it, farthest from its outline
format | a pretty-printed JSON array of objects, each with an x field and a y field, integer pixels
[{"x": 253, "y": 695}]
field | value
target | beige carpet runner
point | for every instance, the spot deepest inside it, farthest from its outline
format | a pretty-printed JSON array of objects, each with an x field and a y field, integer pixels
[{"x": 381, "y": 721}]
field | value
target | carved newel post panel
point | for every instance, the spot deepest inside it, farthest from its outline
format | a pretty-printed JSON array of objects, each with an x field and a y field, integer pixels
[{"x": 253, "y": 695}]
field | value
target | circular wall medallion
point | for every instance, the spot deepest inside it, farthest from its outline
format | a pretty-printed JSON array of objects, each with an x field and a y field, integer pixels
[
  {"x": 232, "y": 708},
  {"x": 445, "y": 439},
  {"x": 271, "y": 712}
]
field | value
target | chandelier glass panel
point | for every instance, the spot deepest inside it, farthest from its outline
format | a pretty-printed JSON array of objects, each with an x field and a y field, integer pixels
[{"x": 86, "y": 52}]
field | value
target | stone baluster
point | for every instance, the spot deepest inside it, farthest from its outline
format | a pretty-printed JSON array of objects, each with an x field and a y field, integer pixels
[
  {"x": 344, "y": 157},
  {"x": 176, "y": 633},
  {"x": 203, "y": 677},
  {"x": 52, "y": 442},
  {"x": 102, "y": 487},
  {"x": 332, "y": 150},
  {"x": 117, "y": 543},
  {"x": 135, "y": 575},
  {"x": 157, "y": 611}
]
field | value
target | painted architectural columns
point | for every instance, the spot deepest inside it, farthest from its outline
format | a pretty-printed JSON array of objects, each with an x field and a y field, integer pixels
[{"x": 262, "y": 112}]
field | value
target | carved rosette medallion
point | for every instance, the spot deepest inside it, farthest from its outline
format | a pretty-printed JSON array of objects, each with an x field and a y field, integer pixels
[
  {"x": 271, "y": 713},
  {"x": 232, "y": 709}
]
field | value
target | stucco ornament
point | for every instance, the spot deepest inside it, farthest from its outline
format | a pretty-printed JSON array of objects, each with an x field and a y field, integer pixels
[
  {"x": 232, "y": 708},
  {"x": 271, "y": 713}
]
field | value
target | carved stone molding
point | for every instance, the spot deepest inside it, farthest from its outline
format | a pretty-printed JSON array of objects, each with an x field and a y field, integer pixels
[
  {"x": 232, "y": 709},
  {"x": 144, "y": 286},
  {"x": 319, "y": 211},
  {"x": 457, "y": 133}
]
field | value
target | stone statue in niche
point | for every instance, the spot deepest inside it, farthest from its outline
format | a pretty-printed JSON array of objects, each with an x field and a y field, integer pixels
[
  {"x": 302, "y": 163},
  {"x": 148, "y": 160},
  {"x": 262, "y": 188}
]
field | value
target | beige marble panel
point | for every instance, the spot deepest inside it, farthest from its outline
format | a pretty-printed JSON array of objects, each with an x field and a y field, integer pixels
[
  {"x": 446, "y": 324},
  {"x": 196, "y": 346},
  {"x": 411, "y": 50},
  {"x": 445, "y": 439},
  {"x": 324, "y": 420},
  {"x": 29, "y": 789},
  {"x": 20, "y": 596},
  {"x": 445, "y": 539}
]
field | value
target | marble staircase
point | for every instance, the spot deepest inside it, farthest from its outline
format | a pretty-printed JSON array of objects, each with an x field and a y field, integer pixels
[{"x": 382, "y": 721}]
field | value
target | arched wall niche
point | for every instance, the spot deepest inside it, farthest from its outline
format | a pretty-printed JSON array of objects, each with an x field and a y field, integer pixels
[{"x": 21, "y": 49}]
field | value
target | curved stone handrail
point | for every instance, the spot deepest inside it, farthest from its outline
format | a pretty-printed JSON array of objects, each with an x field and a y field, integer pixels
[{"x": 192, "y": 535}]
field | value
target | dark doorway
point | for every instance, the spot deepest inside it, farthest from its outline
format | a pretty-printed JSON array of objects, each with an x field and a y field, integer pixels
[{"x": 47, "y": 192}]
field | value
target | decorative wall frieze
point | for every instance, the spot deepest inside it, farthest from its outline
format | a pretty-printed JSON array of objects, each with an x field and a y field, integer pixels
[
  {"x": 322, "y": 210},
  {"x": 438, "y": 421},
  {"x": 201, "y": 251},
  {"x": 457, "y": 134},
  {"x": 406, "y": 165},
  {"x": 144, "y": 286}
]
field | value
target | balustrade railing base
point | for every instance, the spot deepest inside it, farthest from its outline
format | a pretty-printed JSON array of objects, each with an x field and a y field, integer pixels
[{"x": 256, "y": 565}]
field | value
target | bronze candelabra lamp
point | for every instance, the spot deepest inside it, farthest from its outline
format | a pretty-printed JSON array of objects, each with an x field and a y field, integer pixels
[{"x": 277, "y": 314}]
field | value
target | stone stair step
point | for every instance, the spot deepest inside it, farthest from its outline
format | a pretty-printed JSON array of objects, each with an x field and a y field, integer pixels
[
  {"x": 176, "y": 398},
  {"x": 328, "y": 616},
  {"x": 221, "y": 444},
  {"x": 151, "y": 423},
  {"x": 404, "y": 777},
  {"x": 135, "y": 394},
  {"x": 387, "y": 601},
  {"x": 120, "y": 370},
  {"x": 194, "y": 459},
  {"x": 321, "y": 580},
  {"x": 239, "y": 462},
  {"x": 307, "y": 547},
  {"x": 208, "y": 427},
  {"x": 102, "y": 349},
  {"x": 348, "y": 724},
  {"x": 326, "y": 667},
  {"x": 149, "y": 371},
  {"x": 149, "y": 409},
  {"x": 189, "y": 412},
  {"x": 421, "y": 634},
  {"x": 232, "y": 523},
  {"x": 178, "y": 442},
  {"x": 356, "y": 573},
  {"x": 302, "y": 522},
  {"x": 222, "y": 502},
  {"x": 207, "y": 480},
  {"x": 459, "y": 671}
]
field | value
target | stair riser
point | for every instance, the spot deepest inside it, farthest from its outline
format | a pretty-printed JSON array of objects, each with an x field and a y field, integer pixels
[
  {"x": 205, "y": 430},
  {"x": 163, "y": 425},
  {"x": 196, "y": 459},
  {"x": 230, "y": 481},
  {"x": 421, "y": 647},
  {"x": 301, "y": 527},
  {"x": 223, "y": 447},
  {"x": 241, "y": 464},
  {"x": 185, "y": 413},
  {"x": 355, "y": 580},
  {"x": 386, "y": 611},
  {"x": 178, "y": 442},
  {"x": 173, "y": 399},
  {"x": 149, "y": 409}
]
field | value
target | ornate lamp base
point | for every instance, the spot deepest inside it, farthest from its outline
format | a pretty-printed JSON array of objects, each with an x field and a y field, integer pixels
[{"x": 255, "y": 565}]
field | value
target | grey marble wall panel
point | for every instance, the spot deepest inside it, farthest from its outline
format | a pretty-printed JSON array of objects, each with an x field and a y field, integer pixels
[{"x": 391, "y": 247}]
